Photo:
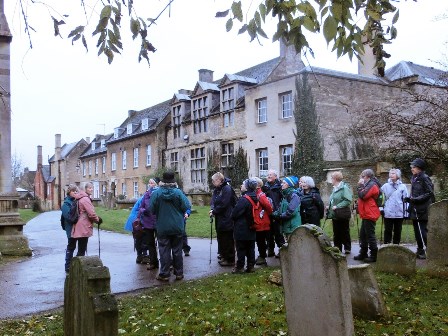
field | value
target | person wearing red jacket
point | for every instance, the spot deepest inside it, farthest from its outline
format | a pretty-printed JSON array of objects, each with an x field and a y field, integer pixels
[{"x": 368, "y": 192}]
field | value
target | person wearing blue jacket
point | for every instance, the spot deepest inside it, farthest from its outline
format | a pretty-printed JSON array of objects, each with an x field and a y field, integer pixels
[
  {"x": 72, "y": 190},
  {"x": 169, "y": 204},
  {"x": 394, "y": 208}
]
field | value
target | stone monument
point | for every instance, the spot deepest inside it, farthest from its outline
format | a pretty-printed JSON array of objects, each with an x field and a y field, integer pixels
[
  {"x": 437, "y": 249},
  {"x": 316, "y": 285},
  {"x": 12, "y": 240}
]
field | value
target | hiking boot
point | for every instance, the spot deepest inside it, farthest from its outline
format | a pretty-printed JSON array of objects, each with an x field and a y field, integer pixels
[
  {"x": 421, "y": 254},
  {"x": 360, "y": 257},
  {"x": 226, "y": 263},
  {"x": 250, "y": 269},
  {"x": 271, "y": 253},
  {"x": 370, "y": 259},
  {"x": 187, "y": 253},
  {"x": 145, "y": 260},
  {"x": 347, "y": 252},
  {"x": 261, "y": 261},
  {"x": 238, "y": 270},
  {"x": 277, "y": 255},
  {"x": 139, "y": 259},
  {"x": 152, "y": 266},
  {"x": 179, "y": 277},
  {"x": 162, "y": 278}
]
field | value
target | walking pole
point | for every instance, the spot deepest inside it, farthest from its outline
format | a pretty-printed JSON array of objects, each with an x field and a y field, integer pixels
[
  {"x": 355, "y": 206},
  {"x": 99, "y": 243},
  {"x": 419, "y": 228},
  {"x": 382, "y": 223},
  {"x": 211, "y": 238}
]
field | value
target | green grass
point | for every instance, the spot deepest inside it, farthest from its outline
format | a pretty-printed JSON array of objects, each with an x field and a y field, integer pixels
[
  {"x": 27, "y": 214},
  {"x": 249, "y": 305}
]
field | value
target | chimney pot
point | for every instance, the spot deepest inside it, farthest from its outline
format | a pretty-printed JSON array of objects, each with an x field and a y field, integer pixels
[{"x": 205, "y": 75}]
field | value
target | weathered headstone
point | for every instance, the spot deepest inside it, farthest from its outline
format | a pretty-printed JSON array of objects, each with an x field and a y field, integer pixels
[
  {"x": 437, "y": 249},
  {"x": 89, "y": 307},
  {"x": 316, "y": 285},
  {"x": 396, "y": 259},
  {"x": 367, "y": 300}
]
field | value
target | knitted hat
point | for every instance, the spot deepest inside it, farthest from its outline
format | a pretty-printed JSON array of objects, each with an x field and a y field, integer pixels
[
  {"x": 251, "y": 184},
  {"x": 168, "y": 177},
  {"x": 418, "y": 163},
  {"x": 291, "y": 181}
]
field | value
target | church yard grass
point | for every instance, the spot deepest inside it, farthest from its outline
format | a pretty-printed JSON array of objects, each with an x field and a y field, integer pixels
[{"x": 249, "y": 304}]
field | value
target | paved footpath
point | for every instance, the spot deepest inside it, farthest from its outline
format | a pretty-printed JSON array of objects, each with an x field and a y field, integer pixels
[{"x": 36, "y": 284}]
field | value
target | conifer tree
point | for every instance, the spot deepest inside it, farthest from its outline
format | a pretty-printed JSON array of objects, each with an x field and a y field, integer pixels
[
  {"x": 308, "y": 156},
  {"x": 240, "y": 169}
]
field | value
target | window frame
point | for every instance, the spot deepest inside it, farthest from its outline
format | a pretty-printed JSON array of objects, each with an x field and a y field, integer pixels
[
  {"x": 113, "y": 162},
  {"x": 135, "y": 157},
  {"x": 200, "y": 112},
  {"x": 198, "y": 165},
  {"x": 124, "y": 160},
  {"x": 262, "y": 111},
  {"x": 148, "y": 155},
  {"x": 286, "y": 170},
  {"x": 262, "y": 162},
  {"x": 287, "y": 103}
]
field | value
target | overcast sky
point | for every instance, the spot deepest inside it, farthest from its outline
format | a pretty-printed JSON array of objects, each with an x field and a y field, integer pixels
[{"x": 59, "y": 88}]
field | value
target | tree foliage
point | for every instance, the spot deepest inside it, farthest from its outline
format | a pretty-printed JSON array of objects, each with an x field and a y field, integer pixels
[
  {"x": 240, "y": 170},
  {"x": 336, "y": 20},
  {"x": 415, "y": 122},
  {"x": 309, "y": 149}
]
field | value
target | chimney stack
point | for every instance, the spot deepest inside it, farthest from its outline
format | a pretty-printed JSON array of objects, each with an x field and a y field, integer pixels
[
  {"x": 205, "y": 75},
  {"x": 366, "y": 63},
  {"x": 39, "y": 157},
  {"x": 291, "y": 59},
  {"x": 57, "y": 150},
  {"x": 88, "y": 140}
]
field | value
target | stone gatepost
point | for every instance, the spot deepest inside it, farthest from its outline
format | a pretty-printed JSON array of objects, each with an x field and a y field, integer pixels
[
  {"x": 367, "y": 300},
  {"x": 396, "y": 259},
  {"x": 89, "y": 307},
  {"x": 437, "y": 249},
  {"x": 316, "y": 285}
]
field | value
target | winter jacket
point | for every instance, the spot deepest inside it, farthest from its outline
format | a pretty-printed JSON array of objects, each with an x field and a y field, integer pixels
[
  {"x": 289, "y": 211},
  {"x": 264, "y": 223},
  {"x": 169, "y": 204},
  {"x": 367, "y": 195},
  {"x": 274, "y": 191},
  {"x": 394, "y": 193},
  {"x": 147, "y": 218},
  {"x": 341, "y": 197},
  {"x": 243, "y": 219},
  {"x": 133, "y": 215},
  {"x": 422, "y": 195},
  {"x": 221, "y": 206},
  {"x": 311, "y": 207},
  {"x": 87, "y": 216},
  {"x": 65, "y": 209}
]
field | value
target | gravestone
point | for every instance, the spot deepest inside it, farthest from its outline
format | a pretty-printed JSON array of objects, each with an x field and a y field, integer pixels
[
  {"x": 393, "y": 258},
  {"x": 89, "y": 307},
  {"x": 316, "y": 285},
  {"x": 437, "y": 249},
  {"x": 367, "y": 300}
]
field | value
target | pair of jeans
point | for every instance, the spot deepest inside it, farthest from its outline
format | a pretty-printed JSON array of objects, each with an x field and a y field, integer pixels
[
  {"x": 275, "y": 236},
  {"x": 341, "y": 234},
  {"x": 170, "y": 253},
  {"x": 71, "y": 246},
  {"x": 245, "y": 249},
  {"x": 148, "y": 245},
  {"x": 262, "y": 237},
  {"x": 367, "y": 238},
  {"x": 392, "y": 225}
]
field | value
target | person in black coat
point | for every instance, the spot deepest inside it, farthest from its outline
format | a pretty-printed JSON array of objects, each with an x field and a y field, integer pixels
[
  {"x": 422, "y": 195},
  {"x": 221, "y": 208},
  {"x": 273, "y": 189},
  {"x": 311, "y": 206},
  {"x": 244, "y": 230}
]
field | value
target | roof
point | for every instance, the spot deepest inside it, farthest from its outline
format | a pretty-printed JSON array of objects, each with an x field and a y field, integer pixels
[
  {"x": 155, "y": 114},
  {"x": 65, "y": 150},
  {"x": 260, "y": 71},
  {"x": 46, "y": 172},
  {"x": 98, "y": 150},
  {"x": 238, "y": 78},
  {"x": 341, "y": 74},
  {"x": 425, "y": 75}
]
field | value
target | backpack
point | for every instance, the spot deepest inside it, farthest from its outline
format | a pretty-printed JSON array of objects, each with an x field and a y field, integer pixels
[
  {"x": 137, "y": 229},
  {"x": 257, "y": 212},
  {"x": 234, "y": 198},
  {"x": 73, "y": 213},
  {"x": 380, "y": 199}
]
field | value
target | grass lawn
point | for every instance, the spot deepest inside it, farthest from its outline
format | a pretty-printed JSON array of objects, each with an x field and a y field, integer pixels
[
  {"x": 248, "y": 304},
  {"x": 27, "y": 214}
]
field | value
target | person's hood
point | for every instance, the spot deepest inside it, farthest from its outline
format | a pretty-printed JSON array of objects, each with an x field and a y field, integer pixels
[
  {"x": 274, "y": 185},
  {"x": 252, "y": 195},
  {"x": 168, "y": 191},
  {"x": 81, "y": 194},
  {"x": 397, "y": 182}
]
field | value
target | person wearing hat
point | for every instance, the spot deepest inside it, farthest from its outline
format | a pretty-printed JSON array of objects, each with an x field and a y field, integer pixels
[
  {"x": 169, "y": 204},
  {"x": 422, "y": 195},
  {"x": 289, "y": 210},
  {"x": 243, "y": 227}
]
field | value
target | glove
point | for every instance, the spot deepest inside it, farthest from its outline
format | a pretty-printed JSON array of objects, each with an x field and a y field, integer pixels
[
  {"x": 407, "y": 200},
  {"x": 100, "y": 220}
]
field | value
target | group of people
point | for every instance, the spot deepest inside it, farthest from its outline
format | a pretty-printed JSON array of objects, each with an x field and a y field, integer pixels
[{"x": 264, "y": 216}]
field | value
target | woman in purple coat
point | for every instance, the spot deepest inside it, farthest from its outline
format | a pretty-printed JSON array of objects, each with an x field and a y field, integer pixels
[{"x": 146, "y": 245}]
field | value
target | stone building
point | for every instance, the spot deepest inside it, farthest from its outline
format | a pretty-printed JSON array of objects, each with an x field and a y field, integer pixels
[
  {"x": 43, "y": 183},
  {"x": 64, "y": 168}
]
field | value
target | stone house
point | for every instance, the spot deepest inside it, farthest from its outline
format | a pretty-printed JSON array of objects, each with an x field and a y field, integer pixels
[
  {"x": 43, "y": 183},
  {"x": 64, "y": 168},
  {"x": 118, "y": 162}
]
